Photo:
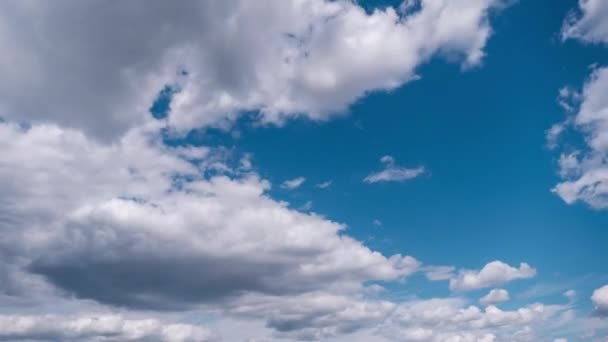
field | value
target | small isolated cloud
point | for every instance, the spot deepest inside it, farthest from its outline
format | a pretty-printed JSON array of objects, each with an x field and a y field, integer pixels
[
  {"x": 494, "y": 273},
  {"x": 306, "y": 206},
  {"x": 324, "y": 185},
  {"x": 293, "y": 183},
  {"x": 393, "y": 172},
  {"x": 570, "y": 294},
  {"x": 600, "y": 301},
  {"x": 494, "y": 297},
  {"x": 377, "y": 223}
]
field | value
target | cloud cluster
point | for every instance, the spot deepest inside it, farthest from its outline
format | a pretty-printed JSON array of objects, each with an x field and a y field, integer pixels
[
  {"x": 451, "y": 319},
  {"x": 307, "y": 58},
  {"x": 585, "y": 171},
  {"x": 589, "y": 23}
]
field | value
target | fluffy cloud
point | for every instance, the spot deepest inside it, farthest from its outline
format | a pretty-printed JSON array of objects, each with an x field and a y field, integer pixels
[
  {"x": 393, "y": 173},
  {"x": 600, "y": 300},
  {"x": 293, "y": 183},
  {"x": 137, "y": 224},
  {"x": 492, "y": 274},
  {"x": 283, "y": 58},
  {"x": 104, "y": 327},
  {"x": 585, "y": 171},
  {"x": 451, "y": 319},
  {"x": 495, "y": 296},
  {"x": 589, "y": 24}
]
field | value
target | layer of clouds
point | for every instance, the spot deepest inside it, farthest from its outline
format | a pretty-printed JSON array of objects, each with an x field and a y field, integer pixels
[
  {"x": 494, "y": 273},
  {"x": 495, "y": 296},
  {"x": 105, "y": 327},
  {"x": 589, "y": 23},
  {"x": 585, "y": 171},
  {"x": 393, "y": 172},
  {"x": 67, "y": 63}
]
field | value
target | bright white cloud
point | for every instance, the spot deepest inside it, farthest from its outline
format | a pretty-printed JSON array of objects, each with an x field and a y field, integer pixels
[
  {"x": 589, "y": 24},
  {"x": 308, "y": 58},
  {"x": 600, "y": 300},
  {"x": 293, "y": 183},
  {"x": 495, "y": 296},
  {"x": 393, "y": 172},
  {"x": 494, "y": 273},
  {"x": 585, "y": 172},
  {"x": 97, "y": 328}
]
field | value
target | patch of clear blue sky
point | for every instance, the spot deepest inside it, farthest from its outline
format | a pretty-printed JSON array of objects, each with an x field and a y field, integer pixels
[{"x": 480, "y": 133}]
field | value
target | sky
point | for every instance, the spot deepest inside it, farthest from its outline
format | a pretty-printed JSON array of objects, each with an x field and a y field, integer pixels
[{"x": 304, "y": 170}]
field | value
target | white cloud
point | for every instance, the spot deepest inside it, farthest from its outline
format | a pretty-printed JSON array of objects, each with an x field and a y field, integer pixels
[
  {"x": 393, "y": 173},
  {"x": 310, "y": 58},
  {"x": 105, "y": 327},
  {"x": 494, "y": 297},
  {"x": 492, "y": 274},
  {"x": 590, "y": 24},
  {"x": 585, "y": 172},
  {"x": 600, "y": 300},
  {"x": 293, "y": 183},
  {"x": 560, "y": 340}
]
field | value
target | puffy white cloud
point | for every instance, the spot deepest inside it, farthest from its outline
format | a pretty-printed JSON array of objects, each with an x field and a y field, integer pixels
[
  {"x": 293, "y": 183},
  {"x": 307, "y": 58},
  {"x": 585, "y": 172},
  {"x": 495, "y": 296},
  {"x": 492, "y": 274},
  {"x": 105, "y": 327},
  {"x": 393, "y": 173},
  {"x": 570, "y": 294},
  {"x": 600, "y": 300},
  {"x": 589, "y": 24}
]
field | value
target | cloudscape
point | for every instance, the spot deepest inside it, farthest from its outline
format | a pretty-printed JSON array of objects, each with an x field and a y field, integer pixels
[{"x": 304, "y": 170}]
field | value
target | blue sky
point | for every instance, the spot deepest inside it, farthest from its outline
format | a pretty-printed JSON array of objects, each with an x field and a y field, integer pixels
[{"x": 297, "y": 171}]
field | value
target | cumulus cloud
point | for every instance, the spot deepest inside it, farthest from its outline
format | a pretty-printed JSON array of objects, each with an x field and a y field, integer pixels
[
  {"x": 494, "y": 297},
  {"x": 105, "y": 327},
  {"x": 600, "y": 300},
  {"x": 308, "y": 58},
  {"x": 492, "y": 274},
  {"x": 435, "y": 273},
  {"x": 589, "y": 23},
  {"x": 393, "y": 172},
  {"x": 293, "y": 183},
  {"x": 584, "y": 171},
  {"x": 137, "y": 224},
  {"x": 451, "y": 319}
]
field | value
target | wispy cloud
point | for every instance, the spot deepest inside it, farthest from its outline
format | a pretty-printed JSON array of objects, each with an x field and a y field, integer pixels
[
  {"x": 393, "y": 172},
  {"x": 324, "y": 185},
  {"x": 293, "y": 183}
]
